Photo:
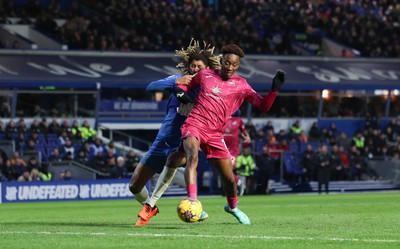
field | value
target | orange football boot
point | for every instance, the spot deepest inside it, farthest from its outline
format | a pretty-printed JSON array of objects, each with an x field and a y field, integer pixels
[{"x": 145, "y": 214}]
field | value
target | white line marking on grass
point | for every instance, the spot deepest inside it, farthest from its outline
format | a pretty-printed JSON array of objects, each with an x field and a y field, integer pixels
[{"x": 210, "y": 236}]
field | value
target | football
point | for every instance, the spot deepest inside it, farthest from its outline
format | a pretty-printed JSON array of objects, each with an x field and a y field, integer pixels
[{"x": 189, "y": 210}]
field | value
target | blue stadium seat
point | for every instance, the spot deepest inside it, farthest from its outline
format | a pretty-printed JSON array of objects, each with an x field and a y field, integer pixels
[
  {"x": 42, "y": 138},
  {"x": 292, "y": 165},
  {"x": 293, "y": 146},
  {"x": 78, "y": 146},
  {"x": 50, "y": 148},
  {"x": 52, "y": 136},
  {"x": 259, "y": 145}
]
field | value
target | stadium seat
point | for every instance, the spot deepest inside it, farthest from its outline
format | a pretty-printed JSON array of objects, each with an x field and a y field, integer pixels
[
  {"x": 293, "y": 146},
  {"x": 259, "y": 145},
  {"x": 292, "y": 164}
]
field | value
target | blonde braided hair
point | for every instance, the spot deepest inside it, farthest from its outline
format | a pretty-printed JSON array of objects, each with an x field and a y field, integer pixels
[{"x": 194, "y": 49}]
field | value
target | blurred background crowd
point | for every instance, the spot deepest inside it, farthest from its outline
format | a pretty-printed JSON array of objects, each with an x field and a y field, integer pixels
[{"x": 258, "y": 26}]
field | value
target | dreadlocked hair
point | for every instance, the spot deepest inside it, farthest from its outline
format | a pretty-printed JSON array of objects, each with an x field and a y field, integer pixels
[
  {"x": 232, "y": 49},
  {"x": 195, "y": 52}
]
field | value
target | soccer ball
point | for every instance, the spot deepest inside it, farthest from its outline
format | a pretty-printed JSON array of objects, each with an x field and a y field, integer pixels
[{"x": 189, "y": 210}]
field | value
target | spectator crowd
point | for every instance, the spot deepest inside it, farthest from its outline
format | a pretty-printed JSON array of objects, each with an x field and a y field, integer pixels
[
  {"x": 43, "y": 143},
  {"x": 323, "y": 155},
  {"x": 258, "y": 26}
]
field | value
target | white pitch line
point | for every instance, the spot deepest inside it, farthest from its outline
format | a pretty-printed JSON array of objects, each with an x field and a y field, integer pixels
[{"x": 210, "y": 236}]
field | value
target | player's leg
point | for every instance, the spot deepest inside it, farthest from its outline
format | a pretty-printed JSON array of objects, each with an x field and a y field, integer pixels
[
  {"x": 224, "y": 168},
  {"x": 174, "y": 160},
  {"x": 150, "y": 164},
  {"x": 191, "y": 146},
  {"x": 140, "y": 177}
]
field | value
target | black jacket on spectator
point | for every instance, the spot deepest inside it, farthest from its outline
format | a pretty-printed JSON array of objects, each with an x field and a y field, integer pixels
[
  {"x": 11, "y": 129},
  {"x": 119, "y": 172},
  {"x": 99, "y": 163}
]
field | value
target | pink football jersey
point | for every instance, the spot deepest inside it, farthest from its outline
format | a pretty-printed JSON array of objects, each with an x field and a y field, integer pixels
[
  {"x": 219, "y": 99},
  {"x": 231, "y": 134}
]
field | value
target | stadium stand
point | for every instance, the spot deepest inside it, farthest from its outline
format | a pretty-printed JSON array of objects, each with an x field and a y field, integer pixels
[
  {"x": 356, "y": 28},
  {"x": 269, "y": 27}
]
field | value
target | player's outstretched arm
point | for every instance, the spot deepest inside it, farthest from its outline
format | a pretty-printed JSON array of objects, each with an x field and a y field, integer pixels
[
  {"x": 265, "y": 103},
  {"x": 163, "y": 84}
]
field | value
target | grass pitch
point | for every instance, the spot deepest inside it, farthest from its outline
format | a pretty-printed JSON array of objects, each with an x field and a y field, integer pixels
[{"x": 280, "y": 221}]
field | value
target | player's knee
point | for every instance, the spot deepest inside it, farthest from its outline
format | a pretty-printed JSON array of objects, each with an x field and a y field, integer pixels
[
  {"x": 192, "y": 160},
  {"x": 192, "y": 151},
  {"x": 229, "y": 180},
  {"x": 192, "y": 156},
  {"x": 176, "y": 160}
]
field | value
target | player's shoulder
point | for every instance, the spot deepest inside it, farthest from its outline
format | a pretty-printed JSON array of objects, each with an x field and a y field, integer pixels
[
  {"x": 240, "y": 81},
  {"x": 236, "y": 77},
  {"x": 206, "y": 71},
  {"x": 179, "y": 75},
  {"x": 174, "y": 76}
]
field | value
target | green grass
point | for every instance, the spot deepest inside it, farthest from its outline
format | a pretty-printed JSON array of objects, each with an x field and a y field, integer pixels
[{"x": 280, "y": 221}]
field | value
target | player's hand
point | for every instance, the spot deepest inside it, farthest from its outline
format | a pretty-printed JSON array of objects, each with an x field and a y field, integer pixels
[
  {"x": 278, "y": 80},
  {"x": 185, "y": 109},
  {"x": 182, "y": 96},
  {"x": 184, "y": 80},
  {"x": 246, "y": 138}
]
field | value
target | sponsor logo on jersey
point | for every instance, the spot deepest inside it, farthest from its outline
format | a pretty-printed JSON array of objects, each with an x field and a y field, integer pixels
[
  {"x": 216, "y": 90},
  {"x": 231, "y": 83}
]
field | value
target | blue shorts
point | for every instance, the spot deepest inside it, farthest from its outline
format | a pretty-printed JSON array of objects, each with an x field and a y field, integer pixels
[{"x": 157, "y": 155}]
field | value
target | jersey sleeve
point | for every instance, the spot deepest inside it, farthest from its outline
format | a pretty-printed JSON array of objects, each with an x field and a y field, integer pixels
[
  {"x": 263, "y": 103},
  {"x": 163, "y": 84}
]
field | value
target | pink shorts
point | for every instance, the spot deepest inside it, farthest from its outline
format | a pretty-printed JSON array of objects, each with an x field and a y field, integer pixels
[{"x": 212, "y": 144}]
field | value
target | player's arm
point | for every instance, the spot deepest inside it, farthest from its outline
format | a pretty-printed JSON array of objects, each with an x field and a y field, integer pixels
[
  {"x": 184, "y": 80},
  {"x": 168, "y": 83},
  {"x": 243, "y": 133},
  {"x": 278, "y": 80},
  {"x": 246, "y": 137},
  {"x": 181, "y": 90},
  {"x": 182, "y": 95},
  {"x": 265, "y": 103}
]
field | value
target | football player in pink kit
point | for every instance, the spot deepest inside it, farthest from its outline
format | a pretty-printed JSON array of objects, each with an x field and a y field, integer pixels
[
  {"x": 232, "y": 127},
  {"x": 222, "y": 92}
]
